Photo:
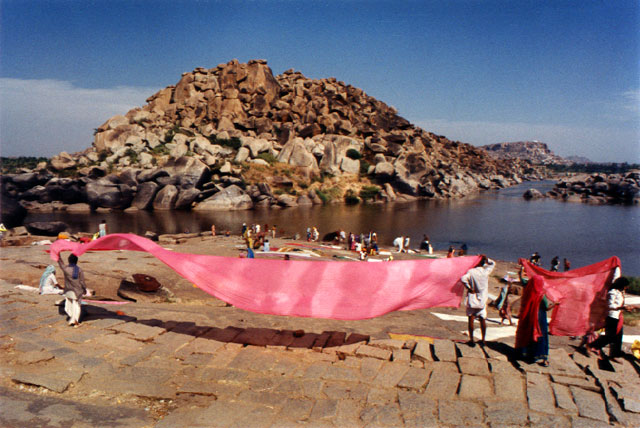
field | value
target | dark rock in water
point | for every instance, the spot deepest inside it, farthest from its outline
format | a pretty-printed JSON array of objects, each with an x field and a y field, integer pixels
[
  {"x": 106, "y": 194},
  {"x": 165, "y": 199},
  {"x": 145, "y": 195},
  {"x": 331, "y": 236},
  {"x": 532, "y": 194},
  {"x": 11, "y": 212},
  {"x": 47, "y": 228},
  {"x": 185, "y": 198},
  {"x": 151, "y": 235},
  {"x": 228, "y": 199},
  {"x": 128, "y": 176},
  {"x": 152, "y": 175}
]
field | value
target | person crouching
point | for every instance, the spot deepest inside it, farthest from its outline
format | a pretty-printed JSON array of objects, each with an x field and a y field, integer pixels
[{"x": 74, "y": 288}]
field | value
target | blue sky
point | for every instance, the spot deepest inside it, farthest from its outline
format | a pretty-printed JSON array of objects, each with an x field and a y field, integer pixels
[{"x": 563, "y": 72}]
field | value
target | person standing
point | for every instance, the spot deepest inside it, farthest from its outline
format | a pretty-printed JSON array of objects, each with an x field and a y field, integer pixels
[
  {"x": 535, "y": 259},
  {"x": 613, "y": 328},
  {"x": 102, "y": 228},
  {"x": 476, "y": 281},
  {"x": 74, "y": 288},
  {"x": 532, "y": 335},
  {"x": 567, "y": 265}
]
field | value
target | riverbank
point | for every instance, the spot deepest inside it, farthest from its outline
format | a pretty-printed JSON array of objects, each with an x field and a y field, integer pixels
[
  {"x": 191, "y": 359},
  {"x": 25, "y": 262}
]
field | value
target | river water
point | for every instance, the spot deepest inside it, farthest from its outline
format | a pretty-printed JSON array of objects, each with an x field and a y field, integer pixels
[{"x": 500, "y": 224}]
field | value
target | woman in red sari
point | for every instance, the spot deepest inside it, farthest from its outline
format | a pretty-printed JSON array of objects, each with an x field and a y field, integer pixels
[{"x": 532, "y": 335}]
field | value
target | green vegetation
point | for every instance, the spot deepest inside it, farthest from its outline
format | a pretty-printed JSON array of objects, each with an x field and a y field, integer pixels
[
  {"x": 168, "y": 137},
  {"x": 13, "y": 164},
  {"x": 233, "y": 142},
  {"x": 132, "y": 155},
  {"x": 592, "y": 168},
  {"x": 350, "y": 198},
  {"x": 267, "y": 157},
  {"x": 354, "y": 154},
  {"x": 369, "y": 192},
  {"x": 323, "y": 196},
  {"x": 160, "y": 149},
  {"x": 634, "y": 285},
  {"x": 364, "y": 167}
]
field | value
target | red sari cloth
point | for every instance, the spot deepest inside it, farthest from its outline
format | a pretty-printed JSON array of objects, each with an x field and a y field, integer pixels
[
  {"x": 580, "y": 296},
  {"x": 528, "y": 330},
  {"x": 319, "y": 289}
]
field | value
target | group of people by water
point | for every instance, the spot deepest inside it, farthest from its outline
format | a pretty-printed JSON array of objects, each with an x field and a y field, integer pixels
[
  {"x": 532, "y": 340},
  {"x": 532, "y": 335},
  {"x": 536, "y": 259}
]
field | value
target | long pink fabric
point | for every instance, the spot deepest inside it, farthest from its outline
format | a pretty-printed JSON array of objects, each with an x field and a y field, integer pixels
[
  {"x": 319, "y": 289},
  {"x": 580, "y": 294}
]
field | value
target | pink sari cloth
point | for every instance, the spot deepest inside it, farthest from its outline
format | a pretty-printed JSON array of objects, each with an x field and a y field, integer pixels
[
  {"x": 319, "y": 289},
  {"x": 580, "y": 296}
]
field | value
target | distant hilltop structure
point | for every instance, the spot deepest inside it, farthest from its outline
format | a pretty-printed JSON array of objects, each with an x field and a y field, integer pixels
[{"x": 535, "y": 152}]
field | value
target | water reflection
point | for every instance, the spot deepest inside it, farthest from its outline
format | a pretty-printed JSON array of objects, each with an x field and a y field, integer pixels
[{"x": 498, "y": 223}]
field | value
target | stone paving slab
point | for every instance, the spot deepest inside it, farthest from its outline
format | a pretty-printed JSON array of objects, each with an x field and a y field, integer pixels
[
  {"x": 564, "y": 399},
  {"x": 539, "y": 393},
  {"x": 57, "y": 381},
  {"x": 422, "y": 351},
  {"x": 460, "y": 413},
  {"x": 138, "y": 331},
  {"x": 373, "y": 352},
  {"x": 442, "y": 384},
  {"x": 469, "y": 351},
  {"x": 415, "y": 379},
  {"x": 24, "y": 409},
  {"x": 444, "y": 350},
  {"x": 390, "y": 374},
  {"x": 507, "y": 413},
  {"x": 582, "y": 382},
  {"x": 590, "y": 404},
  {"x": 401, "y": 356},
  {"x": 509, "y": 387},
  {"x": 475, "y": 387},
  {"x": 473, "y": 366}
]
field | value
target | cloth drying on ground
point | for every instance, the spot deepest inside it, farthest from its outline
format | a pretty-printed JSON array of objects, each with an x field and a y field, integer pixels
[{"x": 322, "y": 289}]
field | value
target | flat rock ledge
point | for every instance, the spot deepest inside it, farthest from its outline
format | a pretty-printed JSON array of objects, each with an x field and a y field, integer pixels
[{"x": 182, "y": 370}]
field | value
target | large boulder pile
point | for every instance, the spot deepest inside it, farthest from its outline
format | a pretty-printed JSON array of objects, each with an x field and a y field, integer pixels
[
  {"x": 599, "y": 189},
  {"x": 236, "y": 136}
]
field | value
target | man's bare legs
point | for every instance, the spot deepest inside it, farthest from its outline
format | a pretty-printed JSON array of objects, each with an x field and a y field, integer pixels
[{"x": 483, "y": 329}]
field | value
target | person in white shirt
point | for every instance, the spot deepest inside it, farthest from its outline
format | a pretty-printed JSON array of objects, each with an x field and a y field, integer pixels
[
  {"x": 49, "y": 283},
  {"x": 613, "y": 330},
  {"x": 399, "y": 242},
  {"x": 476, "y": 281}
]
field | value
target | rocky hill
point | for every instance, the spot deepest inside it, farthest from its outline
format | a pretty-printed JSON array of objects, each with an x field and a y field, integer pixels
[
  {"x": 533, "y": 151},
  {"x": 235, "y": 136}
]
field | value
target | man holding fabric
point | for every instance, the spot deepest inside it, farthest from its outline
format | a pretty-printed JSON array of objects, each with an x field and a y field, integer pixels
[{"x": 476, "y": 281}]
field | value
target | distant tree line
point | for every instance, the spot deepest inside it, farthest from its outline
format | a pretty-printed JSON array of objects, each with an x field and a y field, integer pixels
[
  {"x": 9, "y": 165},
  {"x": 592, "y": 168}
]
